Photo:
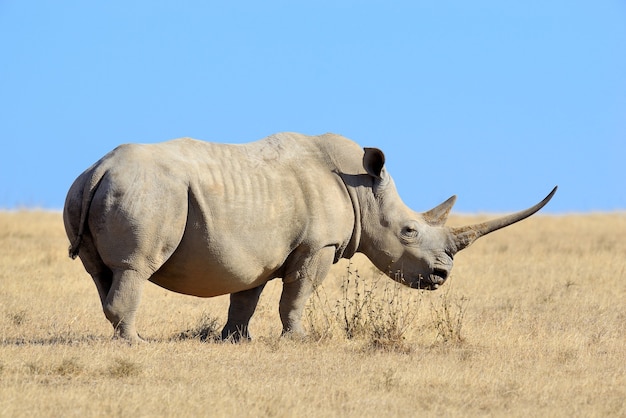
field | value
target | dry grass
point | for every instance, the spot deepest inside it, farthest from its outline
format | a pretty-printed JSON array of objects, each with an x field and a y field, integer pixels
[{"x": 531, "y": 323}]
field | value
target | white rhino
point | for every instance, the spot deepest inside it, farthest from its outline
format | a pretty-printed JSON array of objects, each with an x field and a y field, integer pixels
[{"x": 208, "y": 219}]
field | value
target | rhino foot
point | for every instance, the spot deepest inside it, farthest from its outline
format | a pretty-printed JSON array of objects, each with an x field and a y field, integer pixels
[
  {"x": 298, "y": 336},
  {"x": 134, "y": 340},
  {"x": 235, "y": 334}
]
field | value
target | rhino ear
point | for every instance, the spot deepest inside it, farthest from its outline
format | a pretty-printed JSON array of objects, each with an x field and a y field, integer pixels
[{"x": 373, "y": 162}]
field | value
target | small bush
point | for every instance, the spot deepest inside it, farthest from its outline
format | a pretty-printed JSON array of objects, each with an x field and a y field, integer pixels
[
  {"x": 374, "y": 309},
  {"x": 381, "y": 311}
]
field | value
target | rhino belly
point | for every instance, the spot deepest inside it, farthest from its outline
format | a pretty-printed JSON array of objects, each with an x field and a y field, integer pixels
[
  {"x": 212, "y": 270},
  {"x": 202, "y": 285}
]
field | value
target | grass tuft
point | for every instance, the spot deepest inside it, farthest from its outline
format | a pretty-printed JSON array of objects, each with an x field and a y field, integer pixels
[
  {"x": 123, "y": 368},
  {"x": 69, "y": 367},
  {"x": 18, "y": 318},
  {"x": 206, "y": 329}
]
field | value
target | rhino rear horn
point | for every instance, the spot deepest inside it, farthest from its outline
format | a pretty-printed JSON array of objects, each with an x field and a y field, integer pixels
[
  {"x": 466, "y": 235},
  {"x": 438, "y": 215}
]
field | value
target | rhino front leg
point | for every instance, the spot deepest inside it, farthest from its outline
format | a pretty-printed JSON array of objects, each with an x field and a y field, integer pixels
[
  {"x": 298, "y": 286},
  {"x": 241, "y": 309},
  {"x": 122, "y": 303}
]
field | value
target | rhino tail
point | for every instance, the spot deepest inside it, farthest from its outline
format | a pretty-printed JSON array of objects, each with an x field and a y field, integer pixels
[
  {"x": 89, "y": 190},
  {"x": 75, "y": 246}
]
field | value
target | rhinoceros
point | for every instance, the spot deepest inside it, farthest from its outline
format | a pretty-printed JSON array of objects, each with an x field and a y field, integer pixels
[{"x": 208, "y": 219}]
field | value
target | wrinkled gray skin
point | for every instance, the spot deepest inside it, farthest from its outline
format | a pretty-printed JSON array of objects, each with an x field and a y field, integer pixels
[{"x": 209, "y": 219}]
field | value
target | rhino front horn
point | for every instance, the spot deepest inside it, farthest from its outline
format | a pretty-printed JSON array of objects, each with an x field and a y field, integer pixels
[{"x": 465, "y": 235}]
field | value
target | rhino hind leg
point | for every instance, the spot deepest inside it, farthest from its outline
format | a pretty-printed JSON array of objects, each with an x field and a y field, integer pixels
[
  {"x": 103, "y": 281},
  {"x": 122, "y": 302},
  {"x": 242, "y": 307},
  {"x": 101, "y": 274}
]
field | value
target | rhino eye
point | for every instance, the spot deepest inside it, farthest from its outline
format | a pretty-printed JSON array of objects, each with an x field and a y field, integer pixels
[{"x": 409, "y": 232}]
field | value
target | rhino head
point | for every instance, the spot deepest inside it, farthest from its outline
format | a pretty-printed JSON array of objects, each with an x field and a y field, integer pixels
[{"x": 415, "y": 249}]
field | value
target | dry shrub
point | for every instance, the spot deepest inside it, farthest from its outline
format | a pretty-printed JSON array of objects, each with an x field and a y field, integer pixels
[
  {"x": 373, "y": 309},
  {"x": 447, "y": 316}
]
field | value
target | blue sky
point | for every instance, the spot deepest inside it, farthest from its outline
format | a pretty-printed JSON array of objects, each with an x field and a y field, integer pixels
[{"x": 494, "y": 101}]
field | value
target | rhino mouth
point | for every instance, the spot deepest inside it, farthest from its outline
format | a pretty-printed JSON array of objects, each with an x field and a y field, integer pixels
[{"x": 432, "y": 282}]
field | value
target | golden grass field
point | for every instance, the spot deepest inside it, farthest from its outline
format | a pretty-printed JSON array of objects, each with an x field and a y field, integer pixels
[{"x": 531, "y": 323}]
